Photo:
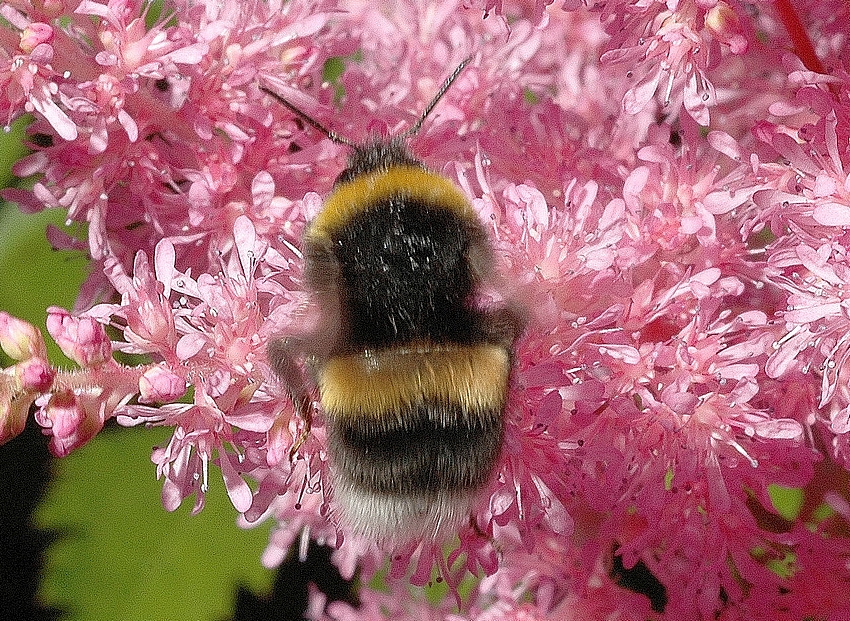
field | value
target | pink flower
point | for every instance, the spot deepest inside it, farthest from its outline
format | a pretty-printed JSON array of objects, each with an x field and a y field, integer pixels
[
  {"x": 669, "y": 48},
  {"x": 686, "y": 347},
  {"x": 35, "y": 375},
  {"x": 24, "y": 381}
]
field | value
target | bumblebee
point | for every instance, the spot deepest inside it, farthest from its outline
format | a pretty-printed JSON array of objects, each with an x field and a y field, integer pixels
[{"x": 412, "y": 375}]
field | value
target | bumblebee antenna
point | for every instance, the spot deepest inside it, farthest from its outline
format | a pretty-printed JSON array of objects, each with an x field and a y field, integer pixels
[
  {"x": 414, "y": 129},
  {"x": 332, "y": 135}
]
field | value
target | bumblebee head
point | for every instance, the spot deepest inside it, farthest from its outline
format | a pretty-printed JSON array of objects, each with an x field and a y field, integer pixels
[{"x": 375, "y": 154}]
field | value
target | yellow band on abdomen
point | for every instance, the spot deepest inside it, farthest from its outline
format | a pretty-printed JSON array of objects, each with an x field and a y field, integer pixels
[{"x": 387, "y": 382}]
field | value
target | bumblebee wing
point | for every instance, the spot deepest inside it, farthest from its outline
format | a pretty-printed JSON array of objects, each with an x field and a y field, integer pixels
[{"x": 503, "y": 326}]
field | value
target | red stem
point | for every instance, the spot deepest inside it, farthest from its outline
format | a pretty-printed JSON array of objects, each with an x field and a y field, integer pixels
[{"x": 799, "y": 37}]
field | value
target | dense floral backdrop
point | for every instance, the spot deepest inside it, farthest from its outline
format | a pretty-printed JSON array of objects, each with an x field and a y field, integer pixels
[{"x": 665, "y": 188}]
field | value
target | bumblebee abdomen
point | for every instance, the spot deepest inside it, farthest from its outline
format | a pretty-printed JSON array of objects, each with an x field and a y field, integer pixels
[
  {"x": 418, "y": 456},
  {"x": 410, "y": 427}
]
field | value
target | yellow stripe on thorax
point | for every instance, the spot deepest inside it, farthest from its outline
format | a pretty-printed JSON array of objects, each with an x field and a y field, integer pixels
[
  {"x": 377, "y": 383},
  {"x": 362, "y": 192}
]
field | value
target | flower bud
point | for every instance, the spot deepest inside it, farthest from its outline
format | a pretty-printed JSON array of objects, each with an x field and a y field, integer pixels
[
  {"x": 34, "y": 35},
  {"x": 62, "y": 414},
  {"x": 82, "y": 339},
  {"x": 69, "y": 422},
  {"x": 13, "y": 414},
  {"x": 160, "y": 384},
  {"x": 19, "y": 339},
  {"x": 53, "y": 8},
  {"x": 35, "y": 375},
  {"x": 722, "y": 21}
]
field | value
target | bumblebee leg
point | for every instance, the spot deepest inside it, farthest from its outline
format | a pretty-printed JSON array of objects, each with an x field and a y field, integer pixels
[
  {"x": 473, "y": 523},
  {"x": 307, "y": 417},
  {"x": 283, "y": 355}
]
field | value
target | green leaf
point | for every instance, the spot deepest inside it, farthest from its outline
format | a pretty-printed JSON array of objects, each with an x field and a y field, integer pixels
[
  {"x": 120, "y": 555},
  {"x": 33, "y": 276},
  {"x": 530, "y": 97},
  {"x": 12, "y": 148},
  {"x": 786, "y": 500}
]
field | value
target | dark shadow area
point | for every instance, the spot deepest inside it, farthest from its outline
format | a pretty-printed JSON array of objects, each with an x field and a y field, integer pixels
[
  {"x": 640, "y": 580},
  {"x": 288, "y": 598},
  {"x": 25, "y": 471}
]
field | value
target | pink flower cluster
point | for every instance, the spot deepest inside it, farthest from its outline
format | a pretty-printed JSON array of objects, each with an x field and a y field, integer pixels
[{"x": 666, "y": 184}]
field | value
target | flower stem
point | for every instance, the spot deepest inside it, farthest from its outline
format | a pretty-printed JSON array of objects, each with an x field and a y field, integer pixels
[{"x": 799, "y": 36}]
